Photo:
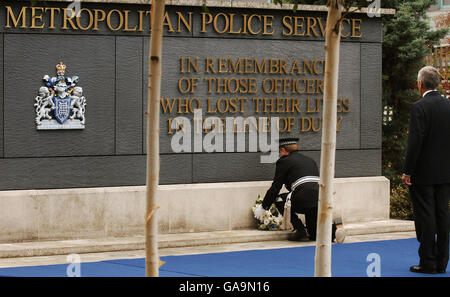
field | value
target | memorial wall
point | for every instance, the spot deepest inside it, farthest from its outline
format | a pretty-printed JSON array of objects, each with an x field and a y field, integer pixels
[{"x": 73, "y": 92}]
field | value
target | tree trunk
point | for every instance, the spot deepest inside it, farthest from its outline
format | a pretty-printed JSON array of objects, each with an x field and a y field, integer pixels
[
  {"x": 327, "y": 158},
  {"x": 152, "y": 181}
]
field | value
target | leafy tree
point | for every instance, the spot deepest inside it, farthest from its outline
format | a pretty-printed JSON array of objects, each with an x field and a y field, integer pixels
[
  {"x": 406, "y": 42},
  {"x": 443, "y": 21}
]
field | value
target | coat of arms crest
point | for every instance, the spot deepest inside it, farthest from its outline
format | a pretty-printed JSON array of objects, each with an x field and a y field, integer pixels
[{"x": 60, "y": 103}]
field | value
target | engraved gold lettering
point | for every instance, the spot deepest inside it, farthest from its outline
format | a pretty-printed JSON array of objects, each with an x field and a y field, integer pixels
[
  {"x": 356, "y": 28},
  {"x": 187, "y": 23},
  {"x": 91, "y": 19},
  {"x": 206, "y": 21},
  {"x": 167, "y": 22},
  {"x": 52, "y": 16},
  {"x": 126, "y": 28},
  {"x": 67, "y": 19},
  {"x": 120, "y": 22},
  {"x": 36, "y": 17},
  {"x": 11, "y": 17},
  {"x": 99, "y": 16}
]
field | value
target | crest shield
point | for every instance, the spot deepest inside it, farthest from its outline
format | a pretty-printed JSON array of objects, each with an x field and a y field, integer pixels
[
  {"x": 62, "y": 109},
  {"x": 60, "y": 103}
]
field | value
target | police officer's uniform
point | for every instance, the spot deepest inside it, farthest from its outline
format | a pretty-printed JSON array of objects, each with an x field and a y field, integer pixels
[{"x": 300, "y": 175}]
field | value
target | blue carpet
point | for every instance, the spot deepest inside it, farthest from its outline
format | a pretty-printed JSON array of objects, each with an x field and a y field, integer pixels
[{"x": 348, "y": 260}]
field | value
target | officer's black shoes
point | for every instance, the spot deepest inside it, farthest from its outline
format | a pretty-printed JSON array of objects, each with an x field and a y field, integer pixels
[
  {"x": 299, "y": 235},
  {"x": 421, "y": 269}
]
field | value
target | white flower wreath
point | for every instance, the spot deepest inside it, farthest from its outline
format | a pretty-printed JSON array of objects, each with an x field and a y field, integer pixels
[{"x": 272, "y": 219}]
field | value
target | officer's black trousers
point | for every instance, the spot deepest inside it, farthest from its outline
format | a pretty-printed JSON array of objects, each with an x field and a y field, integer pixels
[
  {"x": 301, "y": 204},
  {"x": 304, "y": 201},
  {"x": 310, "y": 220},
  {"x": 431, "y": 219}
]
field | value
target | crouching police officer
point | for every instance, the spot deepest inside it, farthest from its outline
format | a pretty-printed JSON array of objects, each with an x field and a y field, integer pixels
[{"x": 300, "y": 176}]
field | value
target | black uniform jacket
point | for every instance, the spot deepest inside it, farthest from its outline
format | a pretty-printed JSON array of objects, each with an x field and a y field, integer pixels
[
  {"x": 289, "y": 169},
  {"x": 428, "y": 154}
]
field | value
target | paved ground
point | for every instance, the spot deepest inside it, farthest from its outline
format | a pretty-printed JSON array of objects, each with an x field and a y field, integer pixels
[{"x": 201, "y": 249}]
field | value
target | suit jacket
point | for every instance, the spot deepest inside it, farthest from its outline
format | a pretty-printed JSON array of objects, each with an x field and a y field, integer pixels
[
  {"x": 428, "y": 154},
  {"x": 288, "y": 170}
]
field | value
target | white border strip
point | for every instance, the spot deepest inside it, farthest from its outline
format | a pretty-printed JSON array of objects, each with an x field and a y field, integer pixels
[{"x": 303, "y": 180}]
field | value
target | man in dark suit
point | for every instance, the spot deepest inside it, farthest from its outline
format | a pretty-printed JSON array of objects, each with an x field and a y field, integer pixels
[
  {"x": 300, "y": 176},
  {"x": 427, "y": 172}
]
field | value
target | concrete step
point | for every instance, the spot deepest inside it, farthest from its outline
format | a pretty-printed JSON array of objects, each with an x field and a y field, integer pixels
[
  {"x": 374, "y": 227},
  {"x": 79, "y": 246}
]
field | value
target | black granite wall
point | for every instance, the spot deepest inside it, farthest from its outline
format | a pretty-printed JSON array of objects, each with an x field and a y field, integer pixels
[{"x": 113, "y": 70}]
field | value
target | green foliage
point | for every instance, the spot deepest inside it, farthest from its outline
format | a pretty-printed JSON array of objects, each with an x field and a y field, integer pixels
[
  {"x": 406, "y": 42},
  {"x": 401, "y": 206}
]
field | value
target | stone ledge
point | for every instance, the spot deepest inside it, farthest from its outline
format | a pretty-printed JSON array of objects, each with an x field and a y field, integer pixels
[
  {"x": 233, "y": 4},
  {"x": 376, "y": 227},
  {"x": 80, "y": 246},
  {"x": 114, "y": 212},
  {"x": 65, "y": 247}
]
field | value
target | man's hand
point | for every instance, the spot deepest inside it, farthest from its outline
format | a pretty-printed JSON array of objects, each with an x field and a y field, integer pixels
[
  {"x": 259, "y": 212},
  {"x": 406, "y": 179}
]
